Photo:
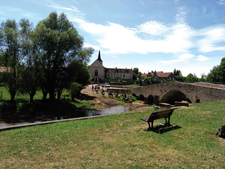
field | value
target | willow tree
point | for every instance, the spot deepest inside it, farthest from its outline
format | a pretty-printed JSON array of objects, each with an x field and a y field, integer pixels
[
  {"x": 10, "y": 48},
  {"x": 29, "y": 75},
  {"x": 59, "y": 43}
]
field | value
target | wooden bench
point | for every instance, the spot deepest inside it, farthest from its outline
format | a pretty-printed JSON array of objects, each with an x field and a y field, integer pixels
[{"x": 159, "y": 115}]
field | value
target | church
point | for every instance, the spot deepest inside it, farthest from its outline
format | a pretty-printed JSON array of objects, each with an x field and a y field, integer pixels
[{"x": 99, "y": 72}]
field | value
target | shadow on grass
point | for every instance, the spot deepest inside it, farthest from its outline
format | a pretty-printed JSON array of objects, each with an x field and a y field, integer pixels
[
  {"x": 22, "y": 111},
  {"x": 164, "y": 128}
]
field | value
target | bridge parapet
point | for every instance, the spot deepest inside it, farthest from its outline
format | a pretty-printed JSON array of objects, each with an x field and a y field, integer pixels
[{"x": 196, "y": 92}]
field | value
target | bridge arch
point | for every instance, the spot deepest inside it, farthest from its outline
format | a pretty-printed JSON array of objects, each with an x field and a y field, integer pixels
[
  {"x": 141, "y": 97},
  {"x": 174, "y": 95},
  {"x": 150, "y": 99}
]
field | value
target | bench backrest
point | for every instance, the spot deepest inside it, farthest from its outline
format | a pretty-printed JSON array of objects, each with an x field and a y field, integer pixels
[{"x": 160, "y": 114}]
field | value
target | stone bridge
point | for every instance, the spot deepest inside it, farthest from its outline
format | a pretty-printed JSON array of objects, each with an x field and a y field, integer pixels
[{"x": 178, "y": 91}]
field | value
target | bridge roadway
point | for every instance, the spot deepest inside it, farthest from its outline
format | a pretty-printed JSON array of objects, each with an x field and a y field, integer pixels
[{"x": 177, "y": 91}]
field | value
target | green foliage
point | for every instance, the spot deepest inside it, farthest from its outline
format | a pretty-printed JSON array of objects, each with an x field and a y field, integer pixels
[
  {"x": 191, "y": 78},
  {"x": 40, "y": 57},
  {"x": 217, "y": 74},
  {"x": 136, "y": 73},
  {"x": 75, "y": 89},
  {"x": 178, "y": 75},
  {"x": 10, "y": 50},
  {"x": 147, "y": 81},
  {"x": 78, "y": 72},
  {"x": 133, "y": 98},
  {"x": 29, "y": 83},
  {"x": 60, "y": 43}
]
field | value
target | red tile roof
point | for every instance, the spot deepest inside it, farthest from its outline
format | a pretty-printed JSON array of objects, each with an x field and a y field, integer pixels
[
  {"x": 163, "y": 75},
  {"x": 160, "y": 74}
]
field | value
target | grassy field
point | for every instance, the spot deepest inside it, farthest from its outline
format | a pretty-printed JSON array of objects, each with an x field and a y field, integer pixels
[{"x": 120, "y": 141}]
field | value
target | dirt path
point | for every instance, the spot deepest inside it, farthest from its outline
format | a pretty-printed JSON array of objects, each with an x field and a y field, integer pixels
[
  {"x": 104, "y": 101},
  {"x": 101, "y": 101}
]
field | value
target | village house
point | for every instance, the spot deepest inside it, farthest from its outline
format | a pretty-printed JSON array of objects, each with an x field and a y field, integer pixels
[
  {"x": 159, "y": 76},
  {"x": 99, "y": 72}
]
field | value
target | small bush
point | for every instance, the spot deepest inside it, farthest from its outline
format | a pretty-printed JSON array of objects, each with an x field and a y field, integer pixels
[
  {"x": 25, "y": 107},
  {"x": 75, "y": 89},
  {"x": 7, "y": 107}
]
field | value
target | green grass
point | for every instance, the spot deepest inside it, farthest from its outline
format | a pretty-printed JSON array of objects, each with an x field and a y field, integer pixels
[
  {"x": 6, "y": 95},
  {"x": 120, "y": 141}
]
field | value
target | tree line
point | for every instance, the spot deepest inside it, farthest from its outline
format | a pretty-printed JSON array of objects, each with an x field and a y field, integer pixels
[
  {"x": 48, "y": 57},
  {"x": 216, "y": 75}
]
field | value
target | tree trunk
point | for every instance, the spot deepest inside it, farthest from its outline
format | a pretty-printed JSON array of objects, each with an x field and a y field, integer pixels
[
  {"x": 59, "y": 93},
  {"x": 52, "y": 95},
  {"x": 31, "y": 98},
  {"x": 45, "y": 93},
  {"x": 12, "y": 94}
]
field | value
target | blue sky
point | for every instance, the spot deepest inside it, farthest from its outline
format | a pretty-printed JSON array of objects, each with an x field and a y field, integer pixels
[{"x": 161, "y": 35}]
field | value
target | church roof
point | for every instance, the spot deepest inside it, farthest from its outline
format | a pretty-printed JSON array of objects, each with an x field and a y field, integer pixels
[{"x": 99, "y": 56}]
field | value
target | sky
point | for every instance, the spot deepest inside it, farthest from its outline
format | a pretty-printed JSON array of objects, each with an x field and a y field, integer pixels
[{"x": 161, "y": 35}]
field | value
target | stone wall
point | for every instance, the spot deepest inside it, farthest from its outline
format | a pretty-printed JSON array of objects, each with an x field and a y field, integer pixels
[{"x": 195, "y": 92}]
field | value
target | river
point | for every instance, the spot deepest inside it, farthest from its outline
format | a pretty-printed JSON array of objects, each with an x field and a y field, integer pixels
[{"x": 85, "y": 113}]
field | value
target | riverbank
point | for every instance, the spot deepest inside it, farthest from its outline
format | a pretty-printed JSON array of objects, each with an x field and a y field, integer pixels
[
  {"x": 102, "y": 102},
  {"x": 44, "y": 111}
]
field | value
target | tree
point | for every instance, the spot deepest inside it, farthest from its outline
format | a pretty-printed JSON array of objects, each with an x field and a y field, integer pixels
[
  {"x": 11, "y": 57},
  {"x": 217, "y": 74},
  {"x": 29, "y": 81},
  {"x": 147, "y": 81},
  {"x": 59, "y": 44},
  {"x": 191, "y": 78},
  {"x": 203, "y": 78},
  {"x": 178, "y": 75},
  {"x": 136, "y": 73}
]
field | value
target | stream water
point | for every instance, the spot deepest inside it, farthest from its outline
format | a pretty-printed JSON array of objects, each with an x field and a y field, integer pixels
[{"x": 106, "y": 111}]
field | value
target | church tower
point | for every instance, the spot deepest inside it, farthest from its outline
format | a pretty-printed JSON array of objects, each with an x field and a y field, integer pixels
[{"x": 97, "y": 69}]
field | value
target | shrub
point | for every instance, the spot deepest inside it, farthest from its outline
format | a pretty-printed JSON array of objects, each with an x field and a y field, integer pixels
[{"x": 75, "y": 89}]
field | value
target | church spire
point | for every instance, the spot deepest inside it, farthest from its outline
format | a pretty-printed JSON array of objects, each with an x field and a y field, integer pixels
[{"x": 99, "y": 56}]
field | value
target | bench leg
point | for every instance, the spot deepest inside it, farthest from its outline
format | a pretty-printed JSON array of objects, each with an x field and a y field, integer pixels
[
  {"x": 167, "y": 121},
  {"x": 149, "y": 126}
]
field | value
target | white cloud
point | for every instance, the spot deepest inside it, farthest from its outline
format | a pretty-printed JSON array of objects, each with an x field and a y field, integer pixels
[
  {"x": 86, "y": 45},
  {"x": 153, "y": 28},
  {"x": 151, "y": 36},
  {"x": 211, "y": 39},
  {"x": 221, "y": 2},
  {"x": 71, "y": 12},
  {"x": 182, "y": 58},
  {"x": 181, "y": 14},
  {"x": 119, "y": 39},
  {"x": 202, "y": 58}
]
